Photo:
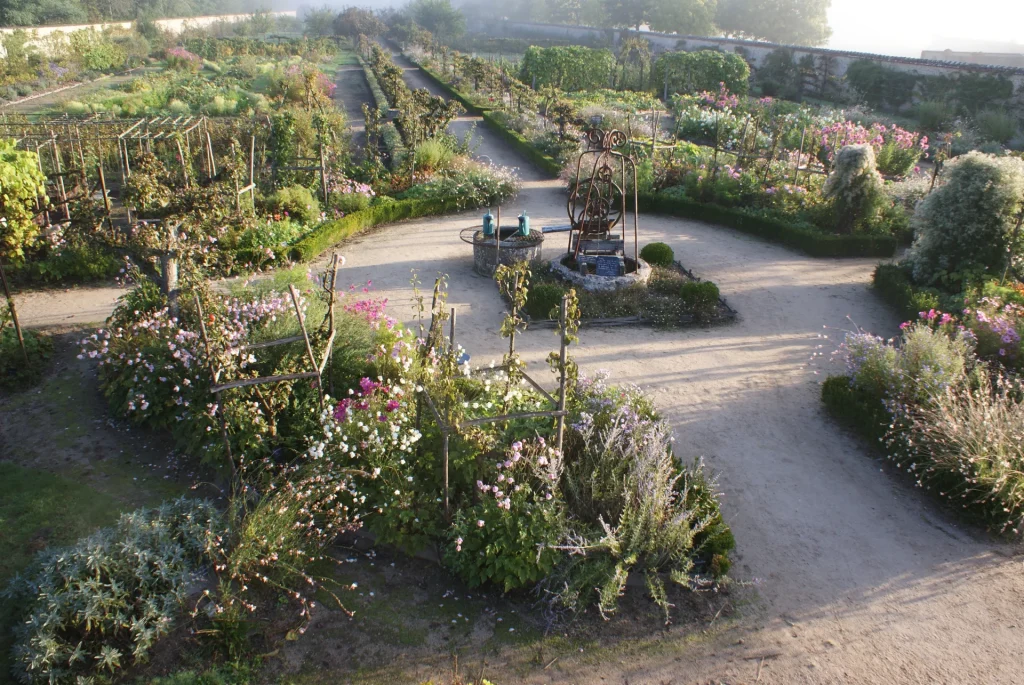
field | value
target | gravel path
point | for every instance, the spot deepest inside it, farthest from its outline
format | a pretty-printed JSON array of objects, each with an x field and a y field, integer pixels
[{"x": 854, "y": 578}]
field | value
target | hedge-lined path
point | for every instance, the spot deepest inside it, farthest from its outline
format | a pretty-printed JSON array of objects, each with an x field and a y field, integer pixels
[{"x": 857, "y": 578}]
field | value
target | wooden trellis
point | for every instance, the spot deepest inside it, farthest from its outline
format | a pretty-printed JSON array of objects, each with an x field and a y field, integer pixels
[
  {"x": 449, "y": 427},
  {"x": 316, "y": 368}
]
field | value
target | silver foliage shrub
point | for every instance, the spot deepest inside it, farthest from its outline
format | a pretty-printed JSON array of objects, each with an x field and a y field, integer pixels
[
  {"x": 854, "y": 187},
  {"x": 94, "y": 608},
  {"x": 965, "y": 225},
  {"x": 632, "y": 507}
]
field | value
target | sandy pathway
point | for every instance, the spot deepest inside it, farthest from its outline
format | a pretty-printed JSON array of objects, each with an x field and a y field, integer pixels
[{"x": 858, "y": 579}]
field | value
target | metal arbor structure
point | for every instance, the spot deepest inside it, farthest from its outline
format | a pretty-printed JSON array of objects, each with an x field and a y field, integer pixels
[{"x": 597, "y": 202}]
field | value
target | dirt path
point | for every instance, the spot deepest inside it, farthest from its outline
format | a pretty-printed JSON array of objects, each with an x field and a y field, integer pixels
[
  {"x": 854, "y": 577},
  {"x": 352, "y": 91}
]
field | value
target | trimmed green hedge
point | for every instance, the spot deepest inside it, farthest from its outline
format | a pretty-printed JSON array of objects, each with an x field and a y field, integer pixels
[
  {"x": 471, "y": 108},
  {"x": 804, "y": 238},
  {"x": 333, "y": 232},
  {"x": 389, "y": 132},
  {"x": 855, "y": 408},
  {"x": 542, "y": 161},
  {"x": 379, "y": 98},
  {"x": 892, "y": 283}
]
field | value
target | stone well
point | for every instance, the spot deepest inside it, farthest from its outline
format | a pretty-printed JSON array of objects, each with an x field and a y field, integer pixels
[
  {"x": 593, "y": 282},
  {"x": 513, "y": 248}
]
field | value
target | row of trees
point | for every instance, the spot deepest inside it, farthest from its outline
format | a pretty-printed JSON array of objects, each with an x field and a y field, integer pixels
[
  {"x": 795, "y": 22},
  {"x": 56, "y": 12}
]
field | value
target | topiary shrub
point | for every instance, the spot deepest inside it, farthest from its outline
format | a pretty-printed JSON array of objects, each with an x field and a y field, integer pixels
[
  {"x": 295, "y": 201},
  {"x": 964, "y": 227},
  {"x": 657, "y": 254},
  {"x": 855, "y": 188},
  {"x": 701, "y": 299},
  {"x": 543, "y": 299}
]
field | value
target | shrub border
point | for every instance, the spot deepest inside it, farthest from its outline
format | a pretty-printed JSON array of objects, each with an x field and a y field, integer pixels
[
  {"x": 544, "y": 162},
  {"x": 389, "y": 132},
  {"x": 436, "y": 79},
  {"x": 892, "y": 283},
  {"x": 332, "y": 232},
  {"x": 803, "y": 238}
]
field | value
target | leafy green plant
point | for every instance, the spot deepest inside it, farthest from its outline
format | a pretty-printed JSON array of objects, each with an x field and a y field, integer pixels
[
  {"x": 433, "y": 155},
  {"x": 631, "y": 507},
  {"x": 933, "y": 115},
  {"x": 15, "y": 372},
  {"x": 296, "y": 202},
  {"x": 997, "y": 125},
  {"x": 22, "y": 183},
  {"x": 510, "y": 536},
  {"x": 543, "y": 300},
  {"x": 700, "y": 298},
  {"x": 657, "y": 254}
]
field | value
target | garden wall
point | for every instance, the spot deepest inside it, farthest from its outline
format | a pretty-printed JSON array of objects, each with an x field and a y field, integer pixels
[
  {"x": 173, "y": 26},
  {"x": 754, "y": 51}
]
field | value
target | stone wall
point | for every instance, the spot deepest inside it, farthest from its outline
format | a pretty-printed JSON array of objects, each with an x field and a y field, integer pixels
[
  {"x": 754, "y": 51},
  {"x": 173, "y": 26}
]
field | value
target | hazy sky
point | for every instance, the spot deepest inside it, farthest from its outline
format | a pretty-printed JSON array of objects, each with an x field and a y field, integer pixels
[{"x": 905, "y": 27}]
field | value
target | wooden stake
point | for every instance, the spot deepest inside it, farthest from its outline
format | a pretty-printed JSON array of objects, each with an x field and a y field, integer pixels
[
  {"x": 214, "y": 377},
  {"x": 305, "y": 337},
  {"x": 561, "y": 373},
  {"x": 14, "y": 313}
]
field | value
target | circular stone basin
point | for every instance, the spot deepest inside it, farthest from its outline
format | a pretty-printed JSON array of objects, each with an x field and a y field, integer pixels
[
  {"x": 593, "y": 282},
  {"x": 512, "y": 248}
]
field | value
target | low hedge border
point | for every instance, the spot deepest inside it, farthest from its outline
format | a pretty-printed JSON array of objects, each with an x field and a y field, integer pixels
[
  {"x": 389, "y": 132},
  {"x": 892, "y": 283},
  {"x": 333, "y": 232},
  {"x": 855, "y": 409},
  {"x": 471, "y": 108},
  {"x": 542, "y": 161},
  {"x": 379, "y": 98},
  {"x": 803, "y": 238}
]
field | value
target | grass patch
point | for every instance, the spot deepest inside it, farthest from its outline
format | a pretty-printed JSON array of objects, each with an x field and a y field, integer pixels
[{"x": 37, "y": 510}]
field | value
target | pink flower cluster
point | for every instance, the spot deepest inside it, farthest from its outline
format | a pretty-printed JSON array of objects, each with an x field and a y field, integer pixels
[
  {"x": 373, "y": 310},
  {"x": 723, "y": 99},
  {"x": 842, "y": 133},
  {"x": 347, "y": 186},
  {"x": 368, "y": 390}
]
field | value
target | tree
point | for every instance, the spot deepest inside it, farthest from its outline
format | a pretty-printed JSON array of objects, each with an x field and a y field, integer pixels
[
  {"x": 438, "y": 17},
  {"x": 690, "y": 17},
  {"x": 792, "y": 22},
  {"x": 32, "y": 12},
  {"x": 21, "y": 183},
  {"x": 628, "y": 13},
  {"x": 319, "y": 22},
  {"x": 354, "y": 21}
]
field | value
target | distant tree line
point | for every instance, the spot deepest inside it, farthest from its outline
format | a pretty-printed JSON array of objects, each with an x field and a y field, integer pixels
[
  {"x": 796, "y": 22},
  {"x": 56, "y": 12}
]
